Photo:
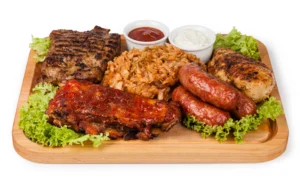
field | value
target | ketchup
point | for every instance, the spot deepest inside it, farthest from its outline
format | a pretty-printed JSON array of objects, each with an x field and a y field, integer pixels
[{"x": 146, "y": 34}]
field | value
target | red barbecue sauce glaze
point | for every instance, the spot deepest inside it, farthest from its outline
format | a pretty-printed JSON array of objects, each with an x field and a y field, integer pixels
[{"x": 146, "y": 34}]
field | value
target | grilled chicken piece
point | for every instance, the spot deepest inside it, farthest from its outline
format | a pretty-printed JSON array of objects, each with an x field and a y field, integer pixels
[
  {"x": 93, "y": 109},
  {"x": 79, "y": 55},
  {"x": 252, "y": 77}
]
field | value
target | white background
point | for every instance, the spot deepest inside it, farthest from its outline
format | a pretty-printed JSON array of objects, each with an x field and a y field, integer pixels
[{"x": 275, "y": 23}]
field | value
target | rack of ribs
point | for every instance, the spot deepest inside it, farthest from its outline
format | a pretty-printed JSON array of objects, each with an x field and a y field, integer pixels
[
  {"x": 93, "y": 109},
  {"x": 79, "y": 55}
]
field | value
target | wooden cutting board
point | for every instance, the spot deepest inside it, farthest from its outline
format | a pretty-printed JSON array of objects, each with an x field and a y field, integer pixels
[{"x": 179, "y": 145}]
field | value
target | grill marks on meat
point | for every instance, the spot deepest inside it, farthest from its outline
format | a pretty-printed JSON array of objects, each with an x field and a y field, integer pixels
[
  {"x": 252, "y": 77},
  {"x": 79, "y": 55},
  {"x": 93, "y": 109}
]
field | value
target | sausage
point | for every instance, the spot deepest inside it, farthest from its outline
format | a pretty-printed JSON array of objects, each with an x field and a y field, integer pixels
[
  {"x": 207, "y": 87},
  {"x": 245, "y": 106},
  {"x": 202, "y": 111}
]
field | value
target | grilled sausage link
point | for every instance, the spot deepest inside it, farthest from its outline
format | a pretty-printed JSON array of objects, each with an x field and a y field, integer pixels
[
  {"x": 207, "y": 87},
  {"x": 202, "y": 111},
  {"x": 245, "y": 106}
]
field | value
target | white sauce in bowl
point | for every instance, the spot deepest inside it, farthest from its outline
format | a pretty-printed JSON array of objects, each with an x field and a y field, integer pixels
[{"x": 192, "y": 39}]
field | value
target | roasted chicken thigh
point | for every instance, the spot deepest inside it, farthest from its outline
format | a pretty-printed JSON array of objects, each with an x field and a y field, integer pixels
[{"x": 252, "y": 77}]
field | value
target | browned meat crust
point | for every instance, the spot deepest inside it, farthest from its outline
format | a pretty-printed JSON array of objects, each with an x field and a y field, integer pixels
[
  {"x": 215, "y": 91},
  {"x": 93, "y": 109},
  {"x": 252, "y": 77},
  {"x": 202, "y": 111},
  {"x": 207, "y": 87},
  {"x": 244, "y": 107},
  {"x": 79, "y": 55}
]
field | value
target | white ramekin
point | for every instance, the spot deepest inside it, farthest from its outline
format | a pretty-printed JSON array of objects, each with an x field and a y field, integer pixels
[
  {"x": 205, "y": 52},
  {"x": 131, "y": 43}
]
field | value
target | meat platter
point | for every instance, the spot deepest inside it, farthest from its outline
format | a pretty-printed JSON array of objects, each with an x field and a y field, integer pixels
[{"x": 179, "y": 145}]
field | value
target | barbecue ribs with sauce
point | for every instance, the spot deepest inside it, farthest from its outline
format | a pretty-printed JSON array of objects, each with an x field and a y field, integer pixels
[
  {"x": 252, "y": 77},
  {"x": 79, "y": 55},
  {"x": 93, "y": 109}
]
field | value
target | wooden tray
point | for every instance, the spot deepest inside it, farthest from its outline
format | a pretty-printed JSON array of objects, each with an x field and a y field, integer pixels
[{"x": 179, "y": 145}]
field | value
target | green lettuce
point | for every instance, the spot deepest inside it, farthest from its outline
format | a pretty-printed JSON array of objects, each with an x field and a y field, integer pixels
[
  {"x": 33, "y": 122},
  {"x": 246, "y": 45},
  {"x": 41, "y": 46},
  {"x": 269, "y": 109}
]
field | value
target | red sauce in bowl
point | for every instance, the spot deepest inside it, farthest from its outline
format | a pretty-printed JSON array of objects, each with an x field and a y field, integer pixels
[{"x": 146, "y": 34}]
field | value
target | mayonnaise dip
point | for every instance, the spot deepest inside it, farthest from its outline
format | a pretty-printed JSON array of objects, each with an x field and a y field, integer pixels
[{"x": 191, "y": 39}]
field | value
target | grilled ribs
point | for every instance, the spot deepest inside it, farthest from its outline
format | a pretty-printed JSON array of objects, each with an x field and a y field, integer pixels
[
  {"x": 93, "y": 109},
  {"x": 79, "y": 55}
]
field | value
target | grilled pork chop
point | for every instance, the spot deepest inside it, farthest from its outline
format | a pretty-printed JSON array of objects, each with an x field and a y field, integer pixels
[
  {"x": 79, "y": 55},
  {"x": 252, "y": 77},
  {"x": 93, "y": 109}
]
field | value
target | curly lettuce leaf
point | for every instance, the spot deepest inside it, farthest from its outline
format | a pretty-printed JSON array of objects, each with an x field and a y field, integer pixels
[
  {"x": 33, "y": 122},
  {"x": 41, "y": 46},
  {"x": 192, "y": 123},
  {"x": 95, "y": 139},
  {"x": 270, "y": 109},
  {"x": 246, "y": 45}
]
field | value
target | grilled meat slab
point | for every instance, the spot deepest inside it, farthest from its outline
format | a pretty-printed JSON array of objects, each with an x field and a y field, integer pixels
[
  {"x": 79, "y": 55},
  {"x": 93, "y": 109},
  {"x": 252, "y": 77}
]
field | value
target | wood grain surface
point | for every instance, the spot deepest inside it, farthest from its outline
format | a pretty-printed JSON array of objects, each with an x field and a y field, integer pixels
[{"x": 179, "y": 145}]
